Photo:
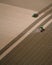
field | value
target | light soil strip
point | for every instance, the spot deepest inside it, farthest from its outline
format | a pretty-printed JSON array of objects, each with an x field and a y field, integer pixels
[
  {"x": 13, "y": 21},
  {"x": 22, "y": 38}
]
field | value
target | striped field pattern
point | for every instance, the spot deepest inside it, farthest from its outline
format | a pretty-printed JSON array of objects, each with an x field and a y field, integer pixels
[{"x": 31, "y": 47}]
